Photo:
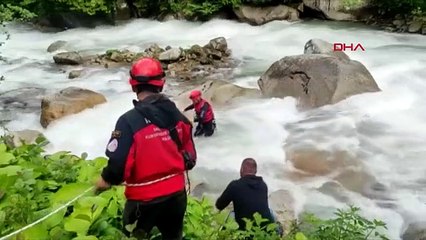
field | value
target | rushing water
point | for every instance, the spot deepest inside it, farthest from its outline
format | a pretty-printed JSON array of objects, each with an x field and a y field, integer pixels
[{"x": 388, "y": 127}]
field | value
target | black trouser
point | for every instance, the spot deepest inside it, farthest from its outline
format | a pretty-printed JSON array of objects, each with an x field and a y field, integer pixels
[
  {"x": 205, "y": 128},
  {"x": 166, "y": 214}
]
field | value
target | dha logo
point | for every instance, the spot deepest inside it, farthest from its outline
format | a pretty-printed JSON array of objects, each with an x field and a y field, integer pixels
[{"x": 341, "y": 47}]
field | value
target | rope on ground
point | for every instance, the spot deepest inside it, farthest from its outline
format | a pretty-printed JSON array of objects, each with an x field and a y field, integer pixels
[
  {"x": 79, "y": 196},
  {"x": 188, "y": 191},
  {"x": 47, "y": 216}
]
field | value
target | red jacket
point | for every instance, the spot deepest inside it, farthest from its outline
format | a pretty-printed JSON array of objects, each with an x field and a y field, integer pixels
[
  {"x": 141, "y": 152},
  {"x": 203, "y": 110}
]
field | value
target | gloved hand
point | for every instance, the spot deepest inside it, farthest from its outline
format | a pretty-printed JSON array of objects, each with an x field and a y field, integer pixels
[
  {"x": 196, "y": 119},
  {"x": 101, "y": 185},
  {"x": 189, "y": 162}
]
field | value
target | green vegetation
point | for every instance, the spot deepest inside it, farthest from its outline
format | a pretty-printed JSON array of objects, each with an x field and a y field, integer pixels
[
  {"x": 351, "y": 4},
  {"x": 189, "y": 9},
  {"x": 34, "y": 184},
  {"x": 28, "y": 9},
  {"x": 393, "y": 7}
]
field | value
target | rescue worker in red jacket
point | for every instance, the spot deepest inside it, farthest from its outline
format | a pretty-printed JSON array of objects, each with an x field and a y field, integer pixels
[
  {"x": 203, "y": 114},
  {"x": 149, "y": 151}
]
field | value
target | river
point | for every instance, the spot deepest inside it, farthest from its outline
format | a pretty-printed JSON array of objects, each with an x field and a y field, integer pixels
[{"x": 388, "y": 128}]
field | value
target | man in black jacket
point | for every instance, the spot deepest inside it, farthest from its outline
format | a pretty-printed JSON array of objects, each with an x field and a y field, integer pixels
[{"x": 249, "y": 195}]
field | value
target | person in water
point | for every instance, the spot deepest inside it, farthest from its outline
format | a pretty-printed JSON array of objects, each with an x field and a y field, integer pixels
[
  {"x": 249, "y": 195},
  {"x": 149, "y": 151},
  {"x": 203, "y": 114}
]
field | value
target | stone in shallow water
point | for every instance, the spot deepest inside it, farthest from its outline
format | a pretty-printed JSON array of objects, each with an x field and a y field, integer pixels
[{"x": 21, "y": 100}]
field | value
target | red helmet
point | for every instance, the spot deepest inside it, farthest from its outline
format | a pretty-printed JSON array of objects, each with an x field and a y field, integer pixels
[
  {"x": 147, "y": 71},
  {"x": 195, "y": 94}
]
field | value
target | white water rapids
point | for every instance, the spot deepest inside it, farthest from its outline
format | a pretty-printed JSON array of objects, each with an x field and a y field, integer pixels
[{"x": 389, "y": 127}]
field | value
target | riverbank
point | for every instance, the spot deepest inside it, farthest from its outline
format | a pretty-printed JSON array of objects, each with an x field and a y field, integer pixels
[{"x": 392, "y": 16}]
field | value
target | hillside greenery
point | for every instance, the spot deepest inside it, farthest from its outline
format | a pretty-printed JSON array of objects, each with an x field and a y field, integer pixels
[
  {"x": 34, "y": 184},
  {"x": 189, "y": 9}
]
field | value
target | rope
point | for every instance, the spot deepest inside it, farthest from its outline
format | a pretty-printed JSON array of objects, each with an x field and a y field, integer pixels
[
  {"x": 159, "y": 180},
  {"x": 188, "y": 192},
  {"x": 80, "y": 195},
  {"x": 150, "y": 182},
  {"x": 47, "y": 216}
]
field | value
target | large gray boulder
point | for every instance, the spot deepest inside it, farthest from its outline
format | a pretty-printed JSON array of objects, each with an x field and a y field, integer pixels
[
  {"x": 68, "y": 58},
  {"x": 262, "y": 15},
  {"x": 336, "y": 9},
  {"x": 218, "y": 93},
  {"x": 316, "y": 80},
  {"x": 57, "y": 45},
  {"x": 319, "y": 46}
]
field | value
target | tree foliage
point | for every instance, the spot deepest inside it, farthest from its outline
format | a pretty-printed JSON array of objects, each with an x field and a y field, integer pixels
[{"x": 189, "y": 9}]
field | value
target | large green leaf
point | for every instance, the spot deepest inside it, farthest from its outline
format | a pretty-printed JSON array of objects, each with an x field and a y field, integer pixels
[
  {"x": 55, "y": 219},
  {"x": 87, "y": 174},
  {"x": 300, "y": 236},
  {"x": 85, "y": 238},
  {"x": 6, "y": 158},
  {"x": 7, "y": 181},
  {"x": 10, "y": 170},
  {"x": 79, "y": 226},
  {"x": 100, "y": 162},
  {"x": 112, "y": 208},
  {"x": 3, "y": 147},
  {"x": 38, "y": 232},
  {"x": 68, "y": 192}
]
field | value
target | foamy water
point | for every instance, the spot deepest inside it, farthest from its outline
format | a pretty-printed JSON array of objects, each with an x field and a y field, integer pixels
[{"x": 389, "y": 127}]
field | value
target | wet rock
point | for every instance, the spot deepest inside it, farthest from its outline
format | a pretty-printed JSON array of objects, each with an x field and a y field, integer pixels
[
  {"x": 415, "y": 26},
  {"x": 218, "y": 44},
  {"x": 172, "y": 54},
  {"x": 336, "y": 190},
  {"x": 318, "y": 46},
  {"x": 17, "y": 101},
  {"x": 359, "y": 180},
  {"x": 28, "y": 136},
  {"x": 398, "y": 23},
  {"x": 122, "y": 11},
  {"x": 218, "y": 93},
  {"x": 316, "y": 80},
  {"x": 334, "y": 9},
  {"x": 415, "y": 231},
  {"x": 283, "y": 204},
  {"x": 262, "y": 15},
  {"x": 56, "y": 46},
  {"x": 318, "y": 162},
  {"x": 68, "y": 58},
  {"x": 199, "y": 190},
  {"x": 67, "y": 20},
  {"x": 68, "y": 101},
  {"x": 75, "y": 73},
  {"x": 195, "y": 62}
]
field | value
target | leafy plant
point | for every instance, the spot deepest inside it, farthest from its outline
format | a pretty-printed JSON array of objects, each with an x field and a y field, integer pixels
[
  {"x": 34, "y": 184},
  {"x": 351, "y": 4},
  {"x": 392, "y": 7},
  {"x": 348, "y": 224}
]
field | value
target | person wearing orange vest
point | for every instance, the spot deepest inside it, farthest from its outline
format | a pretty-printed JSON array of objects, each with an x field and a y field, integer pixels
[
  {"x": 149, "y": 152},
  {"x": 203, "y": 114}
]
